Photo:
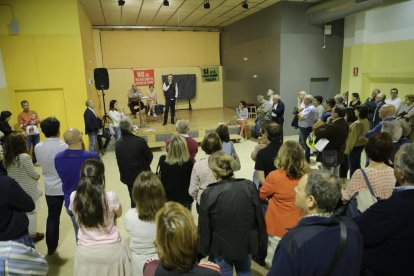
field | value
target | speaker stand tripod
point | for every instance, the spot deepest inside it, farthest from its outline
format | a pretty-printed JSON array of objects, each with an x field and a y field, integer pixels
[{"x": 105, "y": 118}]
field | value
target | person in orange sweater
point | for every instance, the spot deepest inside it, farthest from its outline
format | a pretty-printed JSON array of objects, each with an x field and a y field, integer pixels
[{"x": 282, "y": 212}]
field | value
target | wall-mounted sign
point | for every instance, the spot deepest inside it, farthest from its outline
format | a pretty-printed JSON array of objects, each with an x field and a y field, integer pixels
[
  {"x": 143, "y": 77},
  {"x": 209, "y": 74},
  {"x": 355, "y": 71}
]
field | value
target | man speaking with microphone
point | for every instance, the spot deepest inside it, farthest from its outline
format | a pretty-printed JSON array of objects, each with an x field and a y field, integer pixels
[{"x": 171, "y": 93}]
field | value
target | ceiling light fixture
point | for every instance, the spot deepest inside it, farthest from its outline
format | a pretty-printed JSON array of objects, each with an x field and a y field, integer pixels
[
  {"x": 121, "y": 3},
  {"x": 245, "y": 5},
  {"x": 165, "y": 3},
  {"x": 206, "y": 4}
]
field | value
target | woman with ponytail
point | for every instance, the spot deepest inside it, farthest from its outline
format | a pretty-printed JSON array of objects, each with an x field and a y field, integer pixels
[
  {"x": 100, "y": 248},
  {"x": 230, "y": 218}
]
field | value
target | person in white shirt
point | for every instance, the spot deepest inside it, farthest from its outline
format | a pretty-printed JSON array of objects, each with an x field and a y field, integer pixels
[
  {"x": 46, "y": 152},
  {"x": 116, "y": 116},
  {"x": 149, "y": 197},
  {"x": 317, "y": 103},
  {"x": 394, "y": 99},
  {"x": 270, "y": 93}
]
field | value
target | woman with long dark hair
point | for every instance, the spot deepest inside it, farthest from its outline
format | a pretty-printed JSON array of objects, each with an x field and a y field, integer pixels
[
  {"x": 19, "y": 166},
  {"x": 5, "y": 117},
  {"x": 100, "y": 248},
  {"x": 116, "y": 116}
]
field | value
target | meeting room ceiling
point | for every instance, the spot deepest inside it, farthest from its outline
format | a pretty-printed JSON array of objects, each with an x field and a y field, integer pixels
[{"x": 179, "y": 13}]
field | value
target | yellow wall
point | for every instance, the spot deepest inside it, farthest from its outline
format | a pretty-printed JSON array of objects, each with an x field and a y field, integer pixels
[
  {"x": 165, "y": 52},
  {"x": 46, "y": 57},
  {"x": 383, "y": 66}
]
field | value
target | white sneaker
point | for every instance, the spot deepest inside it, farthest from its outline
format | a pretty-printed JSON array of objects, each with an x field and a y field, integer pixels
[
  {"x": 155, "y": 115},
  {"x": 149, "y": 113}
]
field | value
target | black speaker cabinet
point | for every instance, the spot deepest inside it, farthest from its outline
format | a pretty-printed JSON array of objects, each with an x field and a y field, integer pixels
[{"x": 101, "y": 78}]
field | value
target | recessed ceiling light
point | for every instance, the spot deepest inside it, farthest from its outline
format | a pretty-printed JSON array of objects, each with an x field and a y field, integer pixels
[
  {"x": 165, "y": 3},
  {"x": 206, "y": 4},
  {"x": 245, "y": 5}
]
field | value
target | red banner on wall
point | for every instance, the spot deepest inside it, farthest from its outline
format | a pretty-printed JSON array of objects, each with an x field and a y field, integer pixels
[{"x": 143, "y": 77}]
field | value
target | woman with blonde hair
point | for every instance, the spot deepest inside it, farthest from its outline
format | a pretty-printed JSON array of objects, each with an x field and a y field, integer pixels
[
  {"x": 230, "y": 218},
  {"x": 279, "y": 189},
  {"x": 100, "y": 248},
  {"x": 176, "y": 243},
  {"x": 19, "y": 166},
  {"x": 149, "y": 197},
  {"x": 175, "y": 170}
]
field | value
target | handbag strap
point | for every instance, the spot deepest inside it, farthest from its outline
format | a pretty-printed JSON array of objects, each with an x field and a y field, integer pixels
[
  {"x": 368, "y": 183},
  {"x": 342, "y": 240}
]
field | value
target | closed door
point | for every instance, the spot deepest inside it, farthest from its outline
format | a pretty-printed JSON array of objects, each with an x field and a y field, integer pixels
[{"x": 320, "y": 87}]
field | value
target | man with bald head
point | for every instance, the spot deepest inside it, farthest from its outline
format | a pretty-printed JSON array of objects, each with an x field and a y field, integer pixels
[
  {"x": 387, "y": 114},
  {"x": 68, "y": 164}
]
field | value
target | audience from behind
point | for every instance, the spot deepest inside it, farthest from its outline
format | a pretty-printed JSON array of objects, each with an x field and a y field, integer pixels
[
  {"x": 92, "y": 124},
  {"x": 235, "y": 202},
  {"x": 386, "y": 113},
  {"x": 311, "y": 247},
  {"x": 278, "y": 110},
  {"x": 387, "y": 227},
  {"x": 336, "y": 133},
  {"x": 100, "y": 249},
  {"x": 406, "y": 131},
  {"x": 317, "y": 103},
  {"x": 5, "y": 127},
  {"x": 328, "y": 105},
  {"x": 19, "y": 166},
  {"x": 149, "y": 197},
  {"x": 116, "y": 116},
  {"x": 14, "y": 204},
  {"x": 265, "y": 157},
  {"x": 406, "y": 111},
  {"x": 175, "y": 170},
  {"x": 226, "y": 144},
  {"x": 355, "y": 100},
  {"x": 371, "y": 104},
  {"x": 133, "y": 155},
  {"x": 394, "y": 100},
  {"x": 380, "y": 101},
  {"x": 242, "y": 115},
  {"x": 176, "y": 243},
  {"x": 28, "y": 121},
  {"x": 202, "y": 175},
  {"x": 19, "y": 259},
  {"x": 263, "y": 113},
  {"x": 378, "y": 149},
  {"x": 340, "y": 101},
  {"x": 307, "y": 118},
  {"x": 68, "y": 166},
  {"x": 46, "y": 152},
  {"x": 282, "y": 213},
  {"x": 356, "y": 140},
  {"x": 183, "y": 127},
  {"x": 395, "y": 131}
]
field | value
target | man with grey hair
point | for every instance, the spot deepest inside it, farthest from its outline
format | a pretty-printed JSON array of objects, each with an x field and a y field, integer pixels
[
  {"x": 380, "y": 101},
  {"x": 372, "y": 104},
  {"x": 386, "y": 113},
  {"x": 270, "y": 93},
  {"x": 183, "y": 127},
  {"x": 307, "y": 117},
  {"x": 263, "y": 112},
  {"x": 133, "y": 155},
  {"x": 313, "y": 247},
  {"x": 339, "y": 100},
  {"x": 92, "y": 123},
  {"x": 393, "y": 129},
  {"x": 387, "y": 227}
]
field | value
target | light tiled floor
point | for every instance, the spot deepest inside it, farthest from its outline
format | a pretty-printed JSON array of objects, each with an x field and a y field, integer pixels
[{"x": 62, "y": 264}]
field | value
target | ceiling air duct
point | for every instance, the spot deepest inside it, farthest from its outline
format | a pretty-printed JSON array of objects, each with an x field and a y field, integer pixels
[{"x": 336, "y": 9}]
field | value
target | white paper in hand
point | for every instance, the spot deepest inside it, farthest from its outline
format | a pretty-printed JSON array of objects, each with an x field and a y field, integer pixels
[{"x": 321, "y": 144}]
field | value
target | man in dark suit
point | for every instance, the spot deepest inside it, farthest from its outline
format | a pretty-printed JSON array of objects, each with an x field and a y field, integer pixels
[
  {"x": 92, "y": 123},
  {"x": 132, "y": 155},
  {"x": 336, "y": 133},
  {"x": 380, "y": 100},
  {"x": 387, "y": 227},
  {"x": 170, "y": 89}
]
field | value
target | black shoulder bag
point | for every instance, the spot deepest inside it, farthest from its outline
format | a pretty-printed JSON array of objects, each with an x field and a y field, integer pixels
[{"x": 342, "y": 241}]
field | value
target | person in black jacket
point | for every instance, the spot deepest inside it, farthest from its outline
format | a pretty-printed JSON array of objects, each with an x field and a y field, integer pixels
[
  {"x": 92, "y": 123},
  {"x": 132, "y": 155},
  {"x": 175, "y": 170},
  {"x": 230, "y": 219},
  {"x": 170, "y": 89},
  {"x": 4, "y": 123},
  {"x": 14, "y": 202}
]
